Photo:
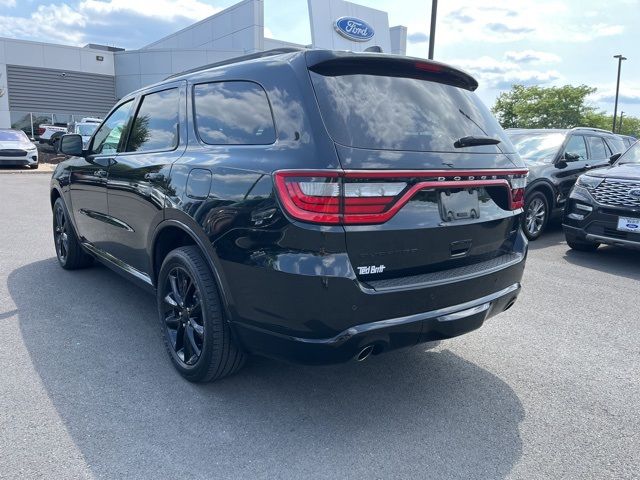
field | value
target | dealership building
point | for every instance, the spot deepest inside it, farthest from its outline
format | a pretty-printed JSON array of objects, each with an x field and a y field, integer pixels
[{"x": 45, "y": 83}]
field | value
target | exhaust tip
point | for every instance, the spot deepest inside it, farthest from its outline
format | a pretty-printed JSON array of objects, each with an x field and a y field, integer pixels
[{"x": 364, "y": 353}]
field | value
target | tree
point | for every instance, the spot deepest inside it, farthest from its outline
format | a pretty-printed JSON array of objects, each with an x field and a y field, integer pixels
[
  {"x": 630, "y": 125},
  {"x": 540, "y": 107}
]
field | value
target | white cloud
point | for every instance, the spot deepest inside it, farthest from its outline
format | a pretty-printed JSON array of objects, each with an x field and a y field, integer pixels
[
  {"x": 167, "y": 10},
  {"x": 532, "y": 56},
  {"x": 7, "y": 3},
  {"x": 47, "y": 23}
]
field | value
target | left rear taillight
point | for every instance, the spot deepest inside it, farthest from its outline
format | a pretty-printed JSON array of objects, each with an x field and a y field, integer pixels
[{"x": 351, "y": 198}]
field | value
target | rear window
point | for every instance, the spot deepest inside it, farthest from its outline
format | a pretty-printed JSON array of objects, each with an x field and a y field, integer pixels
[
  {"x": 616, "y": 144},
  {"x": 397, "y": 113},
  {"x": 233, "y": 113}
]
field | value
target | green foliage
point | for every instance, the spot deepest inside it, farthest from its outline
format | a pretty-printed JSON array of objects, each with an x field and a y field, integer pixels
[
  {"x": 540, "y": 107},
  {"x": 630, "y": 125}
]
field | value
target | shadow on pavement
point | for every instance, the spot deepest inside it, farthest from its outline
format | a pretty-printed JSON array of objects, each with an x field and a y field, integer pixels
[
  {"x": 95, "y": 342},
  {"x": 552, "y": 236},
  {"x": 608, "y": 259}
]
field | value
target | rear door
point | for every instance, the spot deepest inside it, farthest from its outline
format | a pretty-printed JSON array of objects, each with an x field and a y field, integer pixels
[
  {"x": 442, "y": 205},
  {"x": 598, "y": 152},
  {"x": 138, "y": 179}
]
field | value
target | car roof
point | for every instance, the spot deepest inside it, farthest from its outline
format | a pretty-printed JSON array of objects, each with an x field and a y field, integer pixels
[
  {"x": 285, "y": 55},
  {"x": 558, "y": 130}
]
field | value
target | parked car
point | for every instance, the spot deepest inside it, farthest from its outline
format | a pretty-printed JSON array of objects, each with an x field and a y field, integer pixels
[
  {"x": 50, "y": 134},
  {"x": 310, "y": 205},
  {"x": 627, "y": 140},
  {"x": 85, "y": 129},
  {"x": 604, "y": 205},
  {"x": 17, "y": 149},
  {"x": 555, "y": 159}
]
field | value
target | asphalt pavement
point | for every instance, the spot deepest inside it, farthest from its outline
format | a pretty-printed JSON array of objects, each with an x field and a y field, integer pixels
[{"x": 549, "y": 389}]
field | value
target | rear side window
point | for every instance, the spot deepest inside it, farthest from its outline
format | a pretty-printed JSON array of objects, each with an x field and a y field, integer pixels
[
  {"x": 616, "y": 144},
  {"x": 233, "y": 113},
  {"x": 398, "y": 113},
  {"x": 596, "y": 145},
  {"x": 155, "y": 127}
]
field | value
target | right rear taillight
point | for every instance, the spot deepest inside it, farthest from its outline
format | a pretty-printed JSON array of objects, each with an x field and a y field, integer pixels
[
  {"x": 41, "y": 131},
  {"x": 372, "y": 197}
]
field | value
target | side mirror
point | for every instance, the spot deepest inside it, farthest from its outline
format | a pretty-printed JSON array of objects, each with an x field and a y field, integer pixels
[
  {"x": 613, "y": 158},
  {"x": 70, "y": 144},
  {"x": 571, "y": 157}
]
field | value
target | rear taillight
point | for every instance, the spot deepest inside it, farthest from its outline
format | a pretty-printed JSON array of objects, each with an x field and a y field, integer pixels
[
  {"x": 40, "y": 131},
  {"x": 369, "y": 197}
]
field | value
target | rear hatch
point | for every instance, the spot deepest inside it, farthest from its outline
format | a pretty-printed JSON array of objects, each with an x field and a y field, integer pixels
[{"x": 426, "y": 186}]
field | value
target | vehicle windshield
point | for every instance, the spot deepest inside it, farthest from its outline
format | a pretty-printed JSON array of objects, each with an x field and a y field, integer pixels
[
  {"x": 398, "y": 113},
  {"x": 537, "y": 146},
  {"x": 13, "y": 136},
  {"x": 86, "y": 130},
  {"x": 631, "y": 156}
]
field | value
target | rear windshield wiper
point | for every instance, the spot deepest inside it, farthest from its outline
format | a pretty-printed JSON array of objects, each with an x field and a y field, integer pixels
[{"x": 472, "y": 141}]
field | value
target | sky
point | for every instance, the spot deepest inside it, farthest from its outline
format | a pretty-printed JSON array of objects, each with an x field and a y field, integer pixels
[{"x": 500, "y": 42}]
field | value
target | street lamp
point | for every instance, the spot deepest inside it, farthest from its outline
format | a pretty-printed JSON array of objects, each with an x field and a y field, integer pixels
[
  {"x": 432, "y": 32},
  {"x": 615, "y": 108}
]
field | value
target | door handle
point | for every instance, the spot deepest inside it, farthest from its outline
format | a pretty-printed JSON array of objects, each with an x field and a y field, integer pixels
[{"x": 101, "y": 173}]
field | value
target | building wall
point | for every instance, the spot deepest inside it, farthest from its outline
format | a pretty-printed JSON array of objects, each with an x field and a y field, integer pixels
[
  {"x": 324, "y": 13},
  {"x": 40, "y": 55},
  {"x": 237, "y": 28},
  {"x": 398, "y": 40}
]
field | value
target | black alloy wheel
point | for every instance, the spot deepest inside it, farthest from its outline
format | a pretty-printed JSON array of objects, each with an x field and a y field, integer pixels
[
  {"x": 196, "y": 334},
  {"x": 69, "y": 252},
  {"x": 183, "y": 316},
  {"x": 535, "y": 216}
]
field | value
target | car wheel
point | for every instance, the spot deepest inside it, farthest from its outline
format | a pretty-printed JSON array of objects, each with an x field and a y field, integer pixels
[
  {"x": 535, "y": 216},
  {"x": 581, "y": 245},
  {"x": 70, "y": 254},
  {"x": 195, "y": 332}
]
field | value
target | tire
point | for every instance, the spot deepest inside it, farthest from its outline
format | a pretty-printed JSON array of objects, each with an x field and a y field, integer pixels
[
  {"x": 535, "y": 216},
  {"x": 581, "y": 245},
  {"x": 195, "y": 332},
  {"x": 70, "y": 254}
]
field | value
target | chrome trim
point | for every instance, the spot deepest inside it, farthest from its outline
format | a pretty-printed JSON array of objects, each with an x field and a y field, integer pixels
[
  {"x": 465, "y": 313},
  {"x": 107, "y": 257},
  {"x": 612, "y": 241}
]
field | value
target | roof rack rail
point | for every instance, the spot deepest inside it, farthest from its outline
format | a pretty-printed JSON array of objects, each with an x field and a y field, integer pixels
[
  {"x": 593, "y": 129},
  {"x": 243, "y": 58}
]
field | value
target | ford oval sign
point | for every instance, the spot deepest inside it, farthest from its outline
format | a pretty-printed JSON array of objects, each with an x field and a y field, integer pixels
[
  {"x": 354, "y": 29},
  {"x": 634, "y": 192}
]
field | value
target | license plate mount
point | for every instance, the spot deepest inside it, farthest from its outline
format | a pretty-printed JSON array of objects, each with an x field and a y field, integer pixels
[
  {"x": 629, "y": 224},
  {"x": 462, "y": 205}
]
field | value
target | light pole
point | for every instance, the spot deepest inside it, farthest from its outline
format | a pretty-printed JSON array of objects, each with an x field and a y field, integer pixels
[
  {"x": 615, "y": 108},
  {"x": 432, "y": 32}
]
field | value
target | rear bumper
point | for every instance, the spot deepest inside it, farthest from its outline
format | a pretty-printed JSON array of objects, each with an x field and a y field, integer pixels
[{"x": 382, "y": 335}]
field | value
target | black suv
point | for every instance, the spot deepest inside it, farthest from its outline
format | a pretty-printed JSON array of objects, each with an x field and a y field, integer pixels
[
  {"x": 556, "y": 158},
  {"x": 604, "y": 205},
  {"x": 309, "y": 205}
]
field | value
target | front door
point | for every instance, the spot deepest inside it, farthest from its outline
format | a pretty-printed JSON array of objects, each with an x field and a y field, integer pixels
[
  {"x": 88, "y": 181},
  {"x": 138, "y": 179},
  {"x": 571, "y": 165}
]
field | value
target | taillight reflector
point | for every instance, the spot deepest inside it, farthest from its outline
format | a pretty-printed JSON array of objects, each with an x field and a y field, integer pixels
[{"x": 370, "y": 197}]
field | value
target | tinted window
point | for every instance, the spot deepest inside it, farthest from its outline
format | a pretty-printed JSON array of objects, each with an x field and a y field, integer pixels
[
  {"x": 632, "y": 155},
  {"x": 538, "y": 146},
  {"x": 596, "y": 145},
  {"x": 616, "y": 144},
  {"x": 233, "y": 113},
  {"x": 576, "y": 146},
  {"x": 107, "y": 138},
  {"x": 156, "y": 124},
  {"x": 397, "y": 113}
]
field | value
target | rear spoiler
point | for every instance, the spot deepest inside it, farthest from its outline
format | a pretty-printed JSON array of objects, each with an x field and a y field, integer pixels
[{"x": 331, "y": 63}]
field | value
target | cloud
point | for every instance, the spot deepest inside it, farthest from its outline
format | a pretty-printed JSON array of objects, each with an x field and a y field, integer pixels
[
  {"x": 460, "y": 17},
  {"x": 47, "y": 23},
  {"x": 532, "y": 56},
  {"x": 629, "y": 95},
  {"x": 502, "y": 74},
  {"x": 165, "y": 10},
  {"x": 503, "y": 28},
  {"x": 7, "y": 3},
  {"x": 418, "y": 37}
]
